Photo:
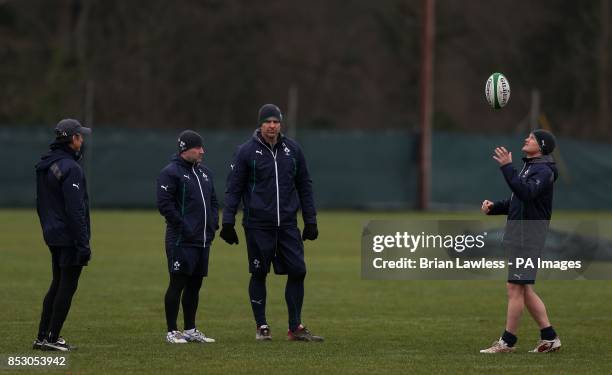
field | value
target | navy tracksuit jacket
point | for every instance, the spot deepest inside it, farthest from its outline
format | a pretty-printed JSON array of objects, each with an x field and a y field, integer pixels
[
  {"x": 272, "y": 184},
  {"x": 62, "y": 202},
  {"x": 529, "y": 208},
  {"x": 186, "y": 198}
]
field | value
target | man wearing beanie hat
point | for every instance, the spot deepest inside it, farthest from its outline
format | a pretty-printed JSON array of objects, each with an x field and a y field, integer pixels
[
  {"x": 63, "y": 208},
  {"x": 529, "y": 211},
  {"x": 270, "y": 177},
  {"x": 186, "y": 199},
  {"x": 546, "y": 141}
]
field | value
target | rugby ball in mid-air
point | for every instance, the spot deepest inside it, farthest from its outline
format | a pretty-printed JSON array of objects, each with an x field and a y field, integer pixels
[{"x": 497, "y": 90}]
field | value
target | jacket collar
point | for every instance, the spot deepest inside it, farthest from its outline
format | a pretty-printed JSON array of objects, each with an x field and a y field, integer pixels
[
  {"x": 540, "y": 159},
  {"x": 58, "y": 147},
  {"x": 57, "y": 152},
  {"x": 547, "y": 160},
  {"x": 259, "y": 139},
  {"x": 179, "y": 160}
]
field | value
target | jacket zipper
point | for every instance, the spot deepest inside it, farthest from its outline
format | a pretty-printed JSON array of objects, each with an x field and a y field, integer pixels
[
  {"x": 276, "y": 177},
  {"x": 203, "y": 202},
  {"x": 512, "y": 195}
]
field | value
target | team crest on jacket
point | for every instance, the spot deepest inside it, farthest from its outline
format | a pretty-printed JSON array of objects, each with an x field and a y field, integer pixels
[
  {"x": 177, "y": 265},
  {"x": 526, "y": 173},
  {"x": 204, "y": 175},
  {"x": 286, "y": 149}
]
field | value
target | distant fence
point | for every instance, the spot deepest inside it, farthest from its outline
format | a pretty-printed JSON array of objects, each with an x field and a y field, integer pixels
[{"x": 350, "y": 169}]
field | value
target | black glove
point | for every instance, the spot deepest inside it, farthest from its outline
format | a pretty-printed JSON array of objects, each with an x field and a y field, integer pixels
[
  {"x": 228, "y": 233},
  {"x": 83, "y": 254},
  {"x": 310, "y": 232}
]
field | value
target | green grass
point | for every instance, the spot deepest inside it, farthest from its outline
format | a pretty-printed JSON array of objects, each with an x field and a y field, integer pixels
[{"x": 117, "y": 317}]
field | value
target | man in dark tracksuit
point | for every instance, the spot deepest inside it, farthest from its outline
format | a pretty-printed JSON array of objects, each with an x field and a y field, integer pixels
[
  {"x": 186, "y": 198},
  {"x": 63, "y": 209},
  {"x": 529, "y": 211},
  {"x": 269, "y": 175}
]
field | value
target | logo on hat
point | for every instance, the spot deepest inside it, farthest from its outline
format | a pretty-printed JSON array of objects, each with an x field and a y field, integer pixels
[
  {"x": 189, "y": 139},
  {"x": 546, "y": 140},
  {"x": 68, "y": 127}
]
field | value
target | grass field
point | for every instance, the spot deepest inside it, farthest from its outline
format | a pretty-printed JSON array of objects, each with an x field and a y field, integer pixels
[{"x": 117, "y": 318}]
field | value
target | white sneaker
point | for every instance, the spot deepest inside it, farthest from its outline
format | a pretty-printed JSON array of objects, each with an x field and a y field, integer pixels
[
  {"x": 546, "y": 346},
  {"x": 499, "y": 346},
  {"x": 263, "y": 333},
  {"x": 196, "y": 336},
  {"x": 175, "y": 337}
]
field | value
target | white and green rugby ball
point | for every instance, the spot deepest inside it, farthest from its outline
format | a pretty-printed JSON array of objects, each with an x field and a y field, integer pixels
[{"x": 497, "y": 90}]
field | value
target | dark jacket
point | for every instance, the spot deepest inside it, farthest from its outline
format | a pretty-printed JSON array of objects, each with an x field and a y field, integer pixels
[
  {"x": 529, "y": 208},
  {"x": 273, "y": 183},
  {"x": 61, "y": 200},
  {"x": 186, "y": 198}
]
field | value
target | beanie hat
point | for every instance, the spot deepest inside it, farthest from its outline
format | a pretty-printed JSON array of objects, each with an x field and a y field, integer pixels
[
  {"x": 189, "y": 139},
  {"x": 267, "y": 111},
  {"x": 546, "y": 140}
]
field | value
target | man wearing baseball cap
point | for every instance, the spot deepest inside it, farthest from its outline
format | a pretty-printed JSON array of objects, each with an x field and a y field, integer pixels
[
  {"x": 63, "y": 209},
  {"x": 270, "y": 177},
  {"x": 186, "y": 199},
  {"x": 529, "y": 210}
]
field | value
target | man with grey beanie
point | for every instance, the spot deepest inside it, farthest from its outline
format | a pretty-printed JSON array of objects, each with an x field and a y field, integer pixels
[{"x": 270, "y": 177}]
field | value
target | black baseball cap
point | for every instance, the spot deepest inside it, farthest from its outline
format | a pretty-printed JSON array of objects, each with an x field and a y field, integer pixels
[{"x": 69, "y": 127}]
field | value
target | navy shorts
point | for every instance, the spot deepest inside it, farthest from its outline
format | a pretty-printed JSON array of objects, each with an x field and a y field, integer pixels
[
  {"x": 191, "y": 261},
  {"x": 281, "y": 247},
  {"x": 524, "y": 267},
  {"x": 69, "y": 256}
]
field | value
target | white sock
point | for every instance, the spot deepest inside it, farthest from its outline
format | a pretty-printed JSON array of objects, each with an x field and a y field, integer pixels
[{"x": 190, "y": 331}]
